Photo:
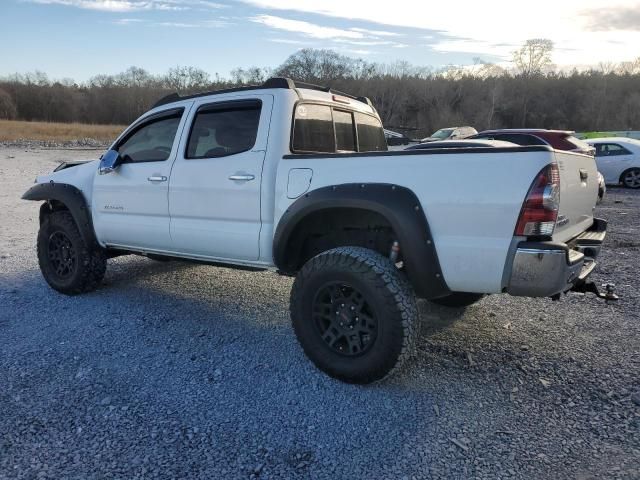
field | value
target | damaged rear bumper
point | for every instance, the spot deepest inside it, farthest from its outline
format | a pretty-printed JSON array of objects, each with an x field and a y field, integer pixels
[{"x": 547, "y": 269}]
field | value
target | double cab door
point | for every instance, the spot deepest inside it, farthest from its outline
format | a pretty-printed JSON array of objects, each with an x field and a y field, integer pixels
[{"x": 190, "y": 182}]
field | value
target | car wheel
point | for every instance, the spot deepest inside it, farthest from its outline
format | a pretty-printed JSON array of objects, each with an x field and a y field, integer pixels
[
  {"x": 631, "y": 178},
  {"x": 354, "y": 314},
  {"x": 458, "y": 299},
  {"x": 68, "y": 264}
]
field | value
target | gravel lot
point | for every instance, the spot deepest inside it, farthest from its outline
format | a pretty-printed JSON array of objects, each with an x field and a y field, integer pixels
[{"x": 172, "y": 370}]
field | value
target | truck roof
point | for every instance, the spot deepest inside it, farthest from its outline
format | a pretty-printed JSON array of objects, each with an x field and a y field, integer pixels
[{"x": 272, "y": 83}]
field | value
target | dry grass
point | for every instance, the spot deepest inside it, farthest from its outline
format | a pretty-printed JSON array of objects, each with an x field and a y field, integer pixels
[{"x": 11, "y": 130}]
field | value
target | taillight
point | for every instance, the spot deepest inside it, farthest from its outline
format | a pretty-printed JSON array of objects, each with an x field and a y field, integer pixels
[{"x": 540, "y": 208}]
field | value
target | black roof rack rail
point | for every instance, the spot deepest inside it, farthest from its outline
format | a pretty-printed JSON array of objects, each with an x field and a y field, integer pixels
[{"x": 274, "y": 82}]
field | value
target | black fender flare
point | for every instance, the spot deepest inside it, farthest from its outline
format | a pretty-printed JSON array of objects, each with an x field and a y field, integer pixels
[
  {"x": 399, "y": 205},
  {"x": 72, "y": 198}
]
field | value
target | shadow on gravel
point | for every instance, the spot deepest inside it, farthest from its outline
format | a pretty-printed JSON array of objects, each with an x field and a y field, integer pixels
[
  {"x": 182, "y": 370},
  {"x": 185, "y": 370}
]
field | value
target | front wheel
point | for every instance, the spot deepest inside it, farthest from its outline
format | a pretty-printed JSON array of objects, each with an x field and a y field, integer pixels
[
  {"x": 354, "y": 314},
  {"x": 68, "y": 264}
]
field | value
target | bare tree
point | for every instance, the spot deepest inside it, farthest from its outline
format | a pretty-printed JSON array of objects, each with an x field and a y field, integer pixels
[
  {"x": 7, "y": 107},
  {"x": 533, "y": 57}
]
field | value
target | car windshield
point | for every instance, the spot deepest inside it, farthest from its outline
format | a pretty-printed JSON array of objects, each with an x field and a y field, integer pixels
[{"x": 442, "y": 133}]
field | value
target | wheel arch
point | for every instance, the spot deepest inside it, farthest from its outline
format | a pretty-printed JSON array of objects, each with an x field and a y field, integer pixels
[
  {"x": 398, "y": 206},
  {"x": 62, "y": 196}
]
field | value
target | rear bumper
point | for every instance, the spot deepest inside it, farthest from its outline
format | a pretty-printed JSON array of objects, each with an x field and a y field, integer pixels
[{"x": 545, "y": 269}]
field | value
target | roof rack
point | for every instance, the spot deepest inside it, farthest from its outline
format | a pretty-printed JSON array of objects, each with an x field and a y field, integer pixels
[{"x": 274, "y": 82}]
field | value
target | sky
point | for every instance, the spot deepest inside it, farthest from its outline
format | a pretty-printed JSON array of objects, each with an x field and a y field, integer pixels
[{"x": 78, "y": 39}]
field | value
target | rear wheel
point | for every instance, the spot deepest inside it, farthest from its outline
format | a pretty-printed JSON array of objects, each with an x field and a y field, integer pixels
[
  {"x": 68, "y": 264},
  {"x": 354, "y": 314},
  {"x": 458, "y": 299},
  {"x": 631, "y": 178}
]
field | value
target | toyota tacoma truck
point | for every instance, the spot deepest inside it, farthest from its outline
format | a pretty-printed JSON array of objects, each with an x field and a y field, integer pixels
[{"x": 297, "y": 178}]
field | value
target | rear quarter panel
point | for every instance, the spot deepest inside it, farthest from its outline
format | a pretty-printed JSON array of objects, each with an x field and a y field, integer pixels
[{"x": 471, "y": 201}]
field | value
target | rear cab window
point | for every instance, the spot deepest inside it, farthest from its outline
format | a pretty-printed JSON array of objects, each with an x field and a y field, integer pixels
[{"x": 320, "y": 128}]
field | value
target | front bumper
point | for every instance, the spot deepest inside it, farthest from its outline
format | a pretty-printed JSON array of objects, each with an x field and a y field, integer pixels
[{"x": 545, "y": 269}]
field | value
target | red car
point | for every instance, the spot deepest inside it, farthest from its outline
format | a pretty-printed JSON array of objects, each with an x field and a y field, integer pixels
[{"x": 558, "y": 139}]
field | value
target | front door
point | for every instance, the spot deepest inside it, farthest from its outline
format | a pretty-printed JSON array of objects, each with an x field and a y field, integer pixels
[
  {"x": 214, "y": 190},
  {"x": 130, "y": 205}
]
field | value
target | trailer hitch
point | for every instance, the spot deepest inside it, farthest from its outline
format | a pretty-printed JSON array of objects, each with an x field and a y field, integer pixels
[{"x": 589, "y": 287}]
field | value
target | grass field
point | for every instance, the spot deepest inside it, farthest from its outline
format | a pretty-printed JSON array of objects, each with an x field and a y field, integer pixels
[{"x": 11, "y": 130}]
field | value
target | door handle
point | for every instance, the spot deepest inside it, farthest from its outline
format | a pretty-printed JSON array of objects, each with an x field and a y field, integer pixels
[
  {"x": 242, "y": 178},
  {"x": 157, "y": 178},
  {"x": 584, "y": 174}
]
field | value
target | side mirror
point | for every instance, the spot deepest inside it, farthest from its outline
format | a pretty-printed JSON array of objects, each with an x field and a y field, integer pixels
[{"x": 109, "y": 162}]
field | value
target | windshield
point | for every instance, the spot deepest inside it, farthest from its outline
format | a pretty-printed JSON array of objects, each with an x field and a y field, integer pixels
[{"x": 443, "y": 133}]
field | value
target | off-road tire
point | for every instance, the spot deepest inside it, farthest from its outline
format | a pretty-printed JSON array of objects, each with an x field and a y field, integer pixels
[
  {"x": 458, "y": 299},
  {"x": 392, "y": 302},
  {"x": 89, "y": 265}
]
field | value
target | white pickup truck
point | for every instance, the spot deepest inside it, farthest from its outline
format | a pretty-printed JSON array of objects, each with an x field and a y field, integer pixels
[{"x": 297, "y": 178}]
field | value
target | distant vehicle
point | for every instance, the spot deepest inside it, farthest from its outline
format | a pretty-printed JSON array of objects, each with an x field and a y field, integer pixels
[
  {"x": 557, "y": 139},
  {"x": 395, "y": 138},
  {"x": 450, "y": 133},
  {"x": 461, "y": 144},
  {"x": 473, "y": 143},
  {"x": 618, "y": 159}
]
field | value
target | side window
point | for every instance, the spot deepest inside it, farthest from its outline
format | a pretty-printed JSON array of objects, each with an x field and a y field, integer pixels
[
  {"x": 345, "y": 134},
  {"x": 224, "y": 129},
  {"x": 370, "y": 133},
  {"x": 152, "y": 142},
  {"x": 613, "y": 149},
  {"x": 600, "y": 149},
  {"x": 313, "y": 129}
]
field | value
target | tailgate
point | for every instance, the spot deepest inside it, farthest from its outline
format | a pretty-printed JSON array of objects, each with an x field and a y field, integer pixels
[{"x": 578, "y": 194}]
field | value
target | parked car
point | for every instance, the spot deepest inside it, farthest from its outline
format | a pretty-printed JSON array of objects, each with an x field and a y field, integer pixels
[
  {"x": 461, "y": 144},
  {"x": 395, "y": 138},
  {"x": 558, "y": 139},
  {"x": 473, "y": 143},
  {"x": 297, "y": 179},
  {"x": 450, "y": 133},
  {"x": 618, "y": 160}
]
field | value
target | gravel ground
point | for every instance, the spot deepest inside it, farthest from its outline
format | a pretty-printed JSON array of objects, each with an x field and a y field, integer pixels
[{"x": 172, "y": 370}]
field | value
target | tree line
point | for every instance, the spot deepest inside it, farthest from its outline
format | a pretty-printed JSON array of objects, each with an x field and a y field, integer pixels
[{"x": 530, "y": 92}]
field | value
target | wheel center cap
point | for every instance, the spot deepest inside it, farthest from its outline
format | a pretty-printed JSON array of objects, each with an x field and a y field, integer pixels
[{"x": 346, "y": 316}]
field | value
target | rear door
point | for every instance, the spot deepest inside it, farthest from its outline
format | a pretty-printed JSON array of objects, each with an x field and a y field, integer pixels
[
  {"x": 578, "y": 194},
  {"x": 214, "y": 191}
]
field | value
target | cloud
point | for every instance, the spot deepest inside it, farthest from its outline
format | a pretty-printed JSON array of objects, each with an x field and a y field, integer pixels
[
  {"x": 377, "y": 33},
  {"x": 131, "y": 5},
  {"x": 621, "y": 18},
  {"x": 305, "y": 28},
  {"x": 148, "y": 23},
  {"x": 288, "y": 41},
  {"x": 587, "y": 26}
]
